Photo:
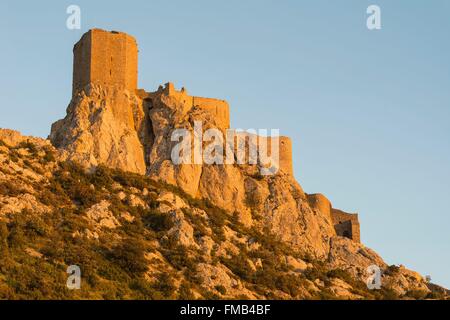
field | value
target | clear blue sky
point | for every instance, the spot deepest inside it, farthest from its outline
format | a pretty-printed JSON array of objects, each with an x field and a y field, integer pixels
[{"x": 368, "y": 111}]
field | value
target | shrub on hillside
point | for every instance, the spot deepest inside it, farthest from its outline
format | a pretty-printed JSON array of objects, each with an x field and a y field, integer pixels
[{"x": 129, "y": 255}]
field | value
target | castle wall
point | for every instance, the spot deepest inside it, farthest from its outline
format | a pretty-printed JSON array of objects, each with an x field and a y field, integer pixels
[
  {"x": 219, "y": 108},
  {"x": 346, "y": 224},
  {"x": 284, "y": 149},
  {"x": 105, "y": 58},
  {"x": 321, "y": 203},
  {"x": 81, "y": 63},
  {"x": 221, "y": 112}
]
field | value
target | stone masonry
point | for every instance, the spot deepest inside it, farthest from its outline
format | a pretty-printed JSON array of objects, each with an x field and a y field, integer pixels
[
  {"x": 345, "y": 224},
  {"x": 105, "y": 58}
]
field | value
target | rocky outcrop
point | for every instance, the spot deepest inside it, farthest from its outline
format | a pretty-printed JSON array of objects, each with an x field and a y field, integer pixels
[
  {"x": 104, "y": 125},
  {"x": 132, "y": 130},
  {"x": 59, "y": 209},
  {"x": 133, "y": 133},
  {"x": 101, "y": 217}
]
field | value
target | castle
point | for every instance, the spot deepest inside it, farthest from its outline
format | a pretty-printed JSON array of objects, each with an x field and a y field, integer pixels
[
  {"x": 345, "y": 224},
  {"x": 110, "y": 59},
  {"x": 105, "y": 58}
]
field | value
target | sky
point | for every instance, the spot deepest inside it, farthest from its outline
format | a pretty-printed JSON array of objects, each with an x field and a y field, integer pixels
[{"x": 368, "y": 110}]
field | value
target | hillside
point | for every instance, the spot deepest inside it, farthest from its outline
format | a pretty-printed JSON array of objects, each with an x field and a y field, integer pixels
[{"x": 137, "y": 238}]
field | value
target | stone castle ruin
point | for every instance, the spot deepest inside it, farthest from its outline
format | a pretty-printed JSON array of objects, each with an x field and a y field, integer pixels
[
  {"x": 110, "y": 60},
  {"x": 345, "y": 224}
]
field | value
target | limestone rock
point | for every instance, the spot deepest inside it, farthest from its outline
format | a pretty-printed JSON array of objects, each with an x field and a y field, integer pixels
[
  {"x": 353, "y": 257},
  {"x": 170, "y": 202},
  {"x": 211, "y": 276},
  {"x": 127, "y": 216},
  {"x": 405, "y": 280},
  {"x": 101, "y": 216},
  {"x": 182, "y": 231},
  {"x": 11, "y": 205},
  {"x": 33, "y": 253},
  {"x": 136, "y": 201},
  {"x": 206, "y": 245},
  {"x": 104, "y": 126},
  {"x": 297, "y": 264},
  {"x": 13, "y": 138},
  {"x": 342, "y": 290}
]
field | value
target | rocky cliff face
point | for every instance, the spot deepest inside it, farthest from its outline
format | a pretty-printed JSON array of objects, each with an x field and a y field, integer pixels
[
  {"x": 104, "y": 126},
  {"x": 132, "y": 132},
  {"x": 136, "y": 238}
]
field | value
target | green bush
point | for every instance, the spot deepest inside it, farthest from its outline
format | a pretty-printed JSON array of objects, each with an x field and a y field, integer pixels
[
  {"x": 221, "y": 289},
  {"x": 49, "y": 155},
  {"x": 392, "y": 270},
  {"x": 165, "y": 285},
  {"x": 185, "y": 291},
  {"x": 28, "y": 145},
  {"x": 417, "y": 294},
  {"x": 239, "y": 266},
  {"x": 14, "y": 156},
  {"x": 4, "y": 233},
  {"x": 178, "y": 256},
  {"x": 340, "y": 274},
  {"x": 10, "y": 189},
  {"x": 157, "y": 221},
  {"x": 129, "y": 255}
]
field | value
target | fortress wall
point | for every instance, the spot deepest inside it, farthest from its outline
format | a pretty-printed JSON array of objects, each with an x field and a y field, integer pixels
[
  {"x": 321, "y": 203},
  {"x": 180, "y": 96},
  {"x": 340, "y": 216},
  {"x": 221, "y": 112},
  {"x": 81, "y": 63},
  {"x": 131, "y": 50},
  {"x": 105, "y": 58},
  {"x": 356, "y": 235},
  {"x": 344, "y": 229},
  {"x": 219, "y": 108},
  {"x": 284, "y": 145},
  {"x": 346, "y": 224}
]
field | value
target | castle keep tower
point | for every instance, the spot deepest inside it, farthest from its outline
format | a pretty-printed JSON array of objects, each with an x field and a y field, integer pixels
[{"x": 105, "y": 58}]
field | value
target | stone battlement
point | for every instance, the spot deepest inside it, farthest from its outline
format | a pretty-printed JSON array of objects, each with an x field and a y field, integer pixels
[{"x": 219, "y": 108}]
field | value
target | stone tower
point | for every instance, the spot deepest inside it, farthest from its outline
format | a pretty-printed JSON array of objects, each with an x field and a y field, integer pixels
[{"x": 105, "y": 58}]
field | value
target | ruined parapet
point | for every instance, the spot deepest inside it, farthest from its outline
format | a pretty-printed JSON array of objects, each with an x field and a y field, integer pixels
[
  {"x": 346, "y": 224},
  {"x": 263, "y": 151},
  {"x": 105, "y": 58},
  {"x": 284, "y": 153},
  {"x": 219, "y": 109}
]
